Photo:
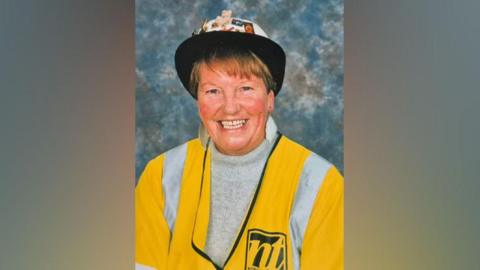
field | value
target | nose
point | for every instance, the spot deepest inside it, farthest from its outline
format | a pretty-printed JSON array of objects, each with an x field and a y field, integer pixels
[{"x": 231, "y": 104}]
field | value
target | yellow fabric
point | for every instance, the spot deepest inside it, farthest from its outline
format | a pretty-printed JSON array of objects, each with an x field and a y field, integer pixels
[
  {"x": 323, "y": 244},
  {"x": 151, "y": 229},
  {"x": 276, "y": 196},
  {"x": 267, "y": 228}
]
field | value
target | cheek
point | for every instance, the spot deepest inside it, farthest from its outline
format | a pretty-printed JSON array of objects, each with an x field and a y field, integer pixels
[
  {"x": 206, "y": 111},
  {"x": 258, "y": 106}
]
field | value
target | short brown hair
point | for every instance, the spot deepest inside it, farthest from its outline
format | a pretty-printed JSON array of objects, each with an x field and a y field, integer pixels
[{"x": 234, "y": 62}]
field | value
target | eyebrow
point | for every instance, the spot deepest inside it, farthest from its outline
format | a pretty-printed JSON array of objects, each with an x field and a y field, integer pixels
[{"x": 207, "y": 83}]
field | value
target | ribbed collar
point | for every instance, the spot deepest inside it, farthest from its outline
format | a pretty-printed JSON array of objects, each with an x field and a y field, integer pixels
[{"x": 255, "y": 156}]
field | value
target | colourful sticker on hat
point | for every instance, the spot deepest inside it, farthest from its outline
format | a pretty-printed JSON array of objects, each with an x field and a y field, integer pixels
[
  {"x": 237, "y": 22},
  {"x": 225, "y": 23},
  {"x": 248, "y": 27},
  {"x": 223, "y": 20}
]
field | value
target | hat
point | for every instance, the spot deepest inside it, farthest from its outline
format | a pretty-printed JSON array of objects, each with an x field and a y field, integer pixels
[{"x": 225, "y": 31}]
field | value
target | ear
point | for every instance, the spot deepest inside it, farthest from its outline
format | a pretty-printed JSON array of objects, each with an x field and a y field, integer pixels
[{"x": 271, "y": 101}]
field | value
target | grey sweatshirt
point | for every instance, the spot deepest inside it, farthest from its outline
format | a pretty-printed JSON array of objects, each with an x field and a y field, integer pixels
[{"x": 233, "y": 183}]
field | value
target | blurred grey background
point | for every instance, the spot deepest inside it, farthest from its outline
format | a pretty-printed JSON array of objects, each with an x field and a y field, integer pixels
[{"x": 309, "y": 109}]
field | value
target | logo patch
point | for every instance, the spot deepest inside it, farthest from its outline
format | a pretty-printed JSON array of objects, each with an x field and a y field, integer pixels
[{"x": 266, "y": 250}]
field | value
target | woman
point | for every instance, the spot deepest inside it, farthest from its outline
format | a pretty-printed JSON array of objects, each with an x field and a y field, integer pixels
[{"x": 241, "y": 196}]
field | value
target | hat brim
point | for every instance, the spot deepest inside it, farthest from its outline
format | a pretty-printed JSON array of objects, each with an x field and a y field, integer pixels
[{"x": 267, "y": 50}]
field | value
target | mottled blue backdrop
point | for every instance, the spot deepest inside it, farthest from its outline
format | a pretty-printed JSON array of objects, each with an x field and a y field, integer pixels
[{"x": 309, "y": 109}]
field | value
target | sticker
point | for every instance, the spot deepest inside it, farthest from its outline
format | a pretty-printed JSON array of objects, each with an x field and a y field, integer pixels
[
  {"x": 237, "y": 22},
  {"x": 266, "y": 250},
  {"x": 248, "y": 27}
]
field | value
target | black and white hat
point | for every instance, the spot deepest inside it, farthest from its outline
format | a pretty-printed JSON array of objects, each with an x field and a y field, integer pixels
[{"x": 225, "y": 31}]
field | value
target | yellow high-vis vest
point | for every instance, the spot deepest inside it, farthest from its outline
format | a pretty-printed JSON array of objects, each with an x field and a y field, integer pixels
[{"x": 295, "y": 220}]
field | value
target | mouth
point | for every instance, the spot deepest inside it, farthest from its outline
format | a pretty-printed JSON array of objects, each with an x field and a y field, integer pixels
[{"x": 233, "y": 124}]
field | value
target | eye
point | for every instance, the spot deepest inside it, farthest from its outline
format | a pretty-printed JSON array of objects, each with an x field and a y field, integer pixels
[
  {"x": 246, "y": 88},
  {"x": 212, "y": 91}
]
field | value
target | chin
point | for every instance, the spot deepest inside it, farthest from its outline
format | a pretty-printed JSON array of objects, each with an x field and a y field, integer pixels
[{"x": 233, "y": 148}]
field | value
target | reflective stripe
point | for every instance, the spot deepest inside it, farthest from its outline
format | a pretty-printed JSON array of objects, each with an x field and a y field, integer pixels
[
  {"x": 171, "y": 182},
  {"x": 143, "y": 267},
  {"x": 313, "y": 174}
]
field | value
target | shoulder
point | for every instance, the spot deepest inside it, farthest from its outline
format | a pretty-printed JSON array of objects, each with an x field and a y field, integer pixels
[
  {"x": 316, "y": 169},
  {"x": 170, "y": 158},
  {"x": 173, "y": 152},
  {"x": 314, "y": 162}
]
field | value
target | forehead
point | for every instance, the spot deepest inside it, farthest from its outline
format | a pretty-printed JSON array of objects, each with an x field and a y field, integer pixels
[{"x": 220, "y": 69}]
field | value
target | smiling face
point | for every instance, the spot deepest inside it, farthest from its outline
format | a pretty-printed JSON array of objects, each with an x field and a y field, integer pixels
[{"x": 233, "y": 108}]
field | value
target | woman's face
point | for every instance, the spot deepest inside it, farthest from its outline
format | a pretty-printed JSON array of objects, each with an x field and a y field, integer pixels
[{"x": 233, "y": 109}]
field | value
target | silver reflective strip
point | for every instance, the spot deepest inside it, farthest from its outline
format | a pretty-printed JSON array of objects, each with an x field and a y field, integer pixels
[
  {"x": 314, "y": 171},
  {"x": 143, "y": 267},
  {"x": 172, "y": 180},
  {"x": 295, "y": 255}
]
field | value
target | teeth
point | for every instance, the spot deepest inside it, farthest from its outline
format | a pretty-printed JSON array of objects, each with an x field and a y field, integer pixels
[{"x": 233, "y": 124}]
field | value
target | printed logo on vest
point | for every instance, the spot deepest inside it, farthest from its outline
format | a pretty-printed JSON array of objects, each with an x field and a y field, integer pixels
[{"x": 266, "y": 250}]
